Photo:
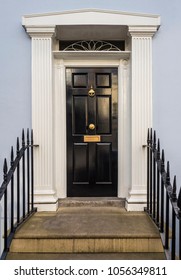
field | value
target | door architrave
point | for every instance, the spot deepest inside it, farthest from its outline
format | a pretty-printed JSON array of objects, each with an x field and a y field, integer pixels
[{"x": 123, "y": 120}]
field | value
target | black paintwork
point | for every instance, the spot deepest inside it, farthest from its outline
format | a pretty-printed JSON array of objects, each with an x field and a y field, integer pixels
[{"x": 92, "y": 167}]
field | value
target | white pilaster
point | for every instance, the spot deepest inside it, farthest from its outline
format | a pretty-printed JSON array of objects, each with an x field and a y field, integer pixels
[
  {"x": 42, "y": 116},
  {"x": 141, "y": 111},
  {"x": 124, "y": 121},
  {"x": 60, "y": 129}
]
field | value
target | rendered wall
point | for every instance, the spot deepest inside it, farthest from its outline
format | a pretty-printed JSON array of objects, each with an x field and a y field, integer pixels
[{"x": 15, "y": 71}]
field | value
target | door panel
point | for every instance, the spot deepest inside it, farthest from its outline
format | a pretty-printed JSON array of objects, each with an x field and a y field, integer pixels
[
  {"x": 92, "y": 112},
  {"x": 103, "y": 80},
  {"x": 79, "y": 117},
  {"x": 103, "y": 160},
  {"x": 103, "y": 114},
  {"x": 81, "y": 163}
]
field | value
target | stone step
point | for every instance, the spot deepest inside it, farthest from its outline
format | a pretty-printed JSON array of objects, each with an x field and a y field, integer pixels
[
  {"x": 98, "y": 256},
  {"x": 92, "y": 202},
  {"x": 87, "y": 230}
]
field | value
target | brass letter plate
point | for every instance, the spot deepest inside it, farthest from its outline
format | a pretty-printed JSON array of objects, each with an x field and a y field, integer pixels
[{"x": 92, "y": 138}]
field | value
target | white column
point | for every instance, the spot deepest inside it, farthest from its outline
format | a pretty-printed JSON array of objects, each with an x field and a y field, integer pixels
[
  {"x": 42, "y": 116},
  {"x": 141, "y": 111}
]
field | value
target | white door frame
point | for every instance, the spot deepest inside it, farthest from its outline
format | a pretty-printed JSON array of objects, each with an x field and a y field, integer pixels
[
  {"x": 123, "y": 120},
  {"x": 135, "y": 100}
]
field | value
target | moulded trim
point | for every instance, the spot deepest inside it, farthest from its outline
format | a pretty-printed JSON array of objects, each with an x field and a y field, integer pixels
[{"x": 96, "y": 17}]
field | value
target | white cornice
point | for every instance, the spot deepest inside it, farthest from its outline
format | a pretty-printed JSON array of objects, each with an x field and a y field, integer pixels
[
  {"x": 38, "y": 31},
  {"x": 142, "y": 30},
  {"x": 92, "y": 10},
  {"x": 91, "y": 17}
]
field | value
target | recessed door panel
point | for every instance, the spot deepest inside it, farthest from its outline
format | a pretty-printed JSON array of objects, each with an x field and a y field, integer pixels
[
  {"x": 103, "y": 163},
  {"x": 91, "y": 131},
  {"x": 80, "y": 163},
  {"x": 104, "y": 114},
  {"x": 79, "y": 116},
  {"x": 79, "y": 80},
  {"x": 103, "y": 80}
]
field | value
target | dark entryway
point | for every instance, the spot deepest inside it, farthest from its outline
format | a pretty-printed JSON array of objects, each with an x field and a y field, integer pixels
[{"x": 92, "y": 128}]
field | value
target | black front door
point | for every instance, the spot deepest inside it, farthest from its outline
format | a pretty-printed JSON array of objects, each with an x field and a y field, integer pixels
[{"x": 92, "y": 131}]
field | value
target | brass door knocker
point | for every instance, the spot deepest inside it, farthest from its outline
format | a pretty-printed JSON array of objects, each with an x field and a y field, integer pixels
[{"x": 91, "y": 92}]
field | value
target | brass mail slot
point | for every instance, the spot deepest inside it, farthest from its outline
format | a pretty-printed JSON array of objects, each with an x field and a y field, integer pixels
[{"x": 92, "y": 138}]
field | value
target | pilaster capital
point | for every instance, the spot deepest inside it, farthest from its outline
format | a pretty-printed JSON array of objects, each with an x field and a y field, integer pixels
[
  {"x": 41, "y": 31},
  {"x": 142, "y": 31}
]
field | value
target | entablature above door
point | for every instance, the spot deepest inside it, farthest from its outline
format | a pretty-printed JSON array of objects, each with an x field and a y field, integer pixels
[
  {"x": 101, "y": 55},
  {"x": 90, "y": 24}
]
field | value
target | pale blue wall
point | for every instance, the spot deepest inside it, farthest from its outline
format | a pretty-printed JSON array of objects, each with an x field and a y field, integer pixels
[{"x": 15, "y": 97}]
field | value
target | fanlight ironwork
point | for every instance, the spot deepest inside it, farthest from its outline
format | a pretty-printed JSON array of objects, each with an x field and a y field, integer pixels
[{"x": 92, "y": 46}]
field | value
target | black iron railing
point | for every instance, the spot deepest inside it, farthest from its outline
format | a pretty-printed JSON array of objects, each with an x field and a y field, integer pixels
[
  {"x": 17, "y": 190},
  {"x": 163, "y": 203}
]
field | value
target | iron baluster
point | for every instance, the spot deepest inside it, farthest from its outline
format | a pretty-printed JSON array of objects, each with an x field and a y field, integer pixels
[
  {"x": 5, "y": 169},
  {"x": 12, "y": 191},
  {"x": 179, "y": 214},
  {"x": 151, "y": 166},
  {"x": 167, "y": 208},
  {"x": 154, "y": 175},
  {"x": 23, "y": 173},
  {"x": 174, "y": 198},
  {"x": 162, "y": 192},
  {"x": 180, "y": 238},
  {"x": 158, "y": 184},
  {"x": 18, "y": 184},
  {"x": 32, "y": 173},
  {"x": 28, "y": 172},
  {"x": 148, "y": 172},
  {"x": 173, "y": 234}
]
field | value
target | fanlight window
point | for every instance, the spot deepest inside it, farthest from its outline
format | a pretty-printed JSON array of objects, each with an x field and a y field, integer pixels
[{"x": 92, "y": 46}]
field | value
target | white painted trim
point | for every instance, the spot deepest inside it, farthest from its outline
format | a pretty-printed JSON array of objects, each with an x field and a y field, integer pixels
[
  {"x": 109, "y": 55},
  {"x": 93, "y": 10},
  {"x": 91, "y": 17},
  {"x": 60, "y": 156},
  {"x": 49, "y": 97},
  {"x": 123, "y": 119},
  {"x": 136, "y": 200},
  {"x": 45, "y": 200}
]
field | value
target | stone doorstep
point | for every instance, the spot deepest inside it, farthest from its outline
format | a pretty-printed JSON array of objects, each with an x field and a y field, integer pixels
[
  {"x": 87, "y": 230},
  {"x": 81, "y": 245},
  {"x": 86, "y": 256},
  {"x": 92, "y": 202}
]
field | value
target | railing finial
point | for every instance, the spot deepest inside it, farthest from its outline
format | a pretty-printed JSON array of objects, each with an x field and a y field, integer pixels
[
  {"x": 154, "y": 140},
  {"x": 23, "y": 137},
  {"x": 163, "y": 161},
  {"x": 12, "y": 156},
  {"x": 168, "y": 173},
  {"x": 32, "y": 137},
  {"x": 151, "y": 135},
  {"x": 28, "y": 137},
  {"x": 158, "y": 149},
  {"x": 5, "y": 169},
  {"x": 17, "y": 146},
  {"x": 148, "y": 137},
  {"x": 174, "y": 192}
]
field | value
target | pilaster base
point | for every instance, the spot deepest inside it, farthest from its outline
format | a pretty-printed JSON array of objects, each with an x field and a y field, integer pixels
[
  {"x": 136, "y": 200},
  {"x": 45, "y": 200}
]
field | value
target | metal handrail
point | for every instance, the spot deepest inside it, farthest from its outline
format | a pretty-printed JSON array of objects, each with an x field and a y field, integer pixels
[
  {"x": 161, "y": 194},
  {"x": 24, "y": 184}
]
